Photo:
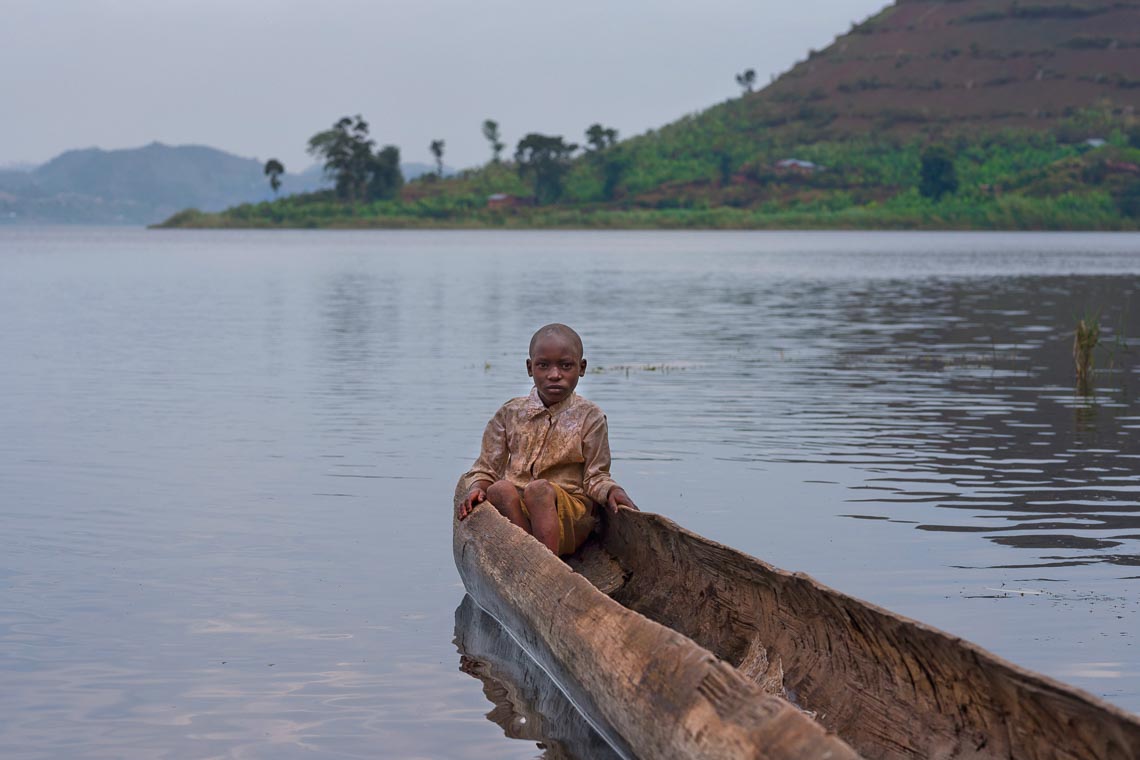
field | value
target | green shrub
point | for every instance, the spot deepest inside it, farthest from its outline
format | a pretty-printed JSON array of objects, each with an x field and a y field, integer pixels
[{"x": 937, "y": 174}]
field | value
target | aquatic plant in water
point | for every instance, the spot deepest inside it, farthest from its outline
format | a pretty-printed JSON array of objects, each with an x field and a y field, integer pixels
[{"x": 1084, "y": 343}]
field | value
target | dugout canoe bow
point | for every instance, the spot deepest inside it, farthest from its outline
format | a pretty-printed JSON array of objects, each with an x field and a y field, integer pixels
[
  {"x": 675, "y": 646},
  {"x": 527, "y": 704}
]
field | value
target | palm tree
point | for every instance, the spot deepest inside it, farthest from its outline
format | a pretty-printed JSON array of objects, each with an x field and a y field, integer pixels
[
  {"x": 746, "y": 79},
  {"x": 491, "y": 132},
  {"x": 274, "y": 169},
  {"x": 437, "y": 151}
]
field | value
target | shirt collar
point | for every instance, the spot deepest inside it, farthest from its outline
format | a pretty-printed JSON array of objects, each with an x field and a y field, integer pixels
[{"x": 535, "y": 407}]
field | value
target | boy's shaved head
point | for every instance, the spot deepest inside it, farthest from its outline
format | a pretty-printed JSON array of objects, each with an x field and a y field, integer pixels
[{"x": 559, "y": 330}]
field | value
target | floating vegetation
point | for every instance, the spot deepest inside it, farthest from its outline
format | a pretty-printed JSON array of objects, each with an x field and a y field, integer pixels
[
  {"x": 993, "y": 360},
  {"x": 1084, "y": 343},
  {"x": 628, "y": 368}
]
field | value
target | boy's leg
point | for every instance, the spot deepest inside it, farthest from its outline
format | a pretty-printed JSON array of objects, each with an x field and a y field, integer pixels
[
  {"x": 505, "y": 497},
  {"x": 542, "y": 505}
]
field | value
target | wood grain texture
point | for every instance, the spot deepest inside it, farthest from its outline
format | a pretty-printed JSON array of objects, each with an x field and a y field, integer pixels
[
  {"x": 651, "y": 691},
  {"x": 890, "y": 686},
  {"x": 737, "y": 634}
]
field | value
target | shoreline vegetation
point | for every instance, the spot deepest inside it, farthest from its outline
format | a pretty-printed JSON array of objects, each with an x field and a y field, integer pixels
[
  {"x": 932, "y": 115},
  {"x": 1015, "y": 180},
  {"x": 1008, "y": 219}
]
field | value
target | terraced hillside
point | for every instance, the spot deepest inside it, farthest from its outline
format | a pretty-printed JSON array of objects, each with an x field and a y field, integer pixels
[{"x": 963, "y": 64}]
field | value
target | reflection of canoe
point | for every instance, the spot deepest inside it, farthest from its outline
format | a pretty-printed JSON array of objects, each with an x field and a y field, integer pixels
[
  {"x": 528, "y": 705},
  {"x": 635, "y": 659}
]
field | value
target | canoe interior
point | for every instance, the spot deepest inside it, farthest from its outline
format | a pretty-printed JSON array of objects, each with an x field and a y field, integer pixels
[{"x": 887, "y": 685}]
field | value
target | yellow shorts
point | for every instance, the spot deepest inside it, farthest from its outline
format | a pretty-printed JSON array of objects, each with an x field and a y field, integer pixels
[{"x": 575, "y": 520}]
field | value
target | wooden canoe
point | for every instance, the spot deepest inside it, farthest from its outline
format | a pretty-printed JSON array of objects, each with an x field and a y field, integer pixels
[
  {"x": 527, "y": 704},
  {"x": 675, "y": 646}
]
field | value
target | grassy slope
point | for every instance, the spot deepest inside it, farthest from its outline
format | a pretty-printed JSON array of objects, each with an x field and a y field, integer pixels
[{"x": 1013, "y": 88}]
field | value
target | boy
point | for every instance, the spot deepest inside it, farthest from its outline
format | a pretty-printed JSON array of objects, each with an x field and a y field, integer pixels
[{"x": 545, "y": 461}]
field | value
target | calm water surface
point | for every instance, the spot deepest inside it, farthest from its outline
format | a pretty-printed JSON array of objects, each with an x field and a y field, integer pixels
[{"x": 227, "y": 459}]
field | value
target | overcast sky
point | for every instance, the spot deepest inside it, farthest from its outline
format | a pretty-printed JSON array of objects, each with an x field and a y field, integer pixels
[{"x": 259, "y": 77}]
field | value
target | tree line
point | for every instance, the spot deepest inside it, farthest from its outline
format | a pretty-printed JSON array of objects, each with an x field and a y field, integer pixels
[{"x": 361, "y": 172}]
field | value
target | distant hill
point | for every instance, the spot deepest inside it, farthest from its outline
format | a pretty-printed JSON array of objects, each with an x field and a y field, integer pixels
[
  {"x": 932, "y": 114},
  {"x": 962, "y": 66},
  {"x": 1013, "y": 86},
  {"x": 142, "y": 185},
  {"x": 136, "y": 185}
]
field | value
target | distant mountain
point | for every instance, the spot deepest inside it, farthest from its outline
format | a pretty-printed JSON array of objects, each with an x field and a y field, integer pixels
[
  {"x": 15, "y": 181},
  {"x": 968, "y": 73},
  {"x": 143, "y": 185},
  {"x": 961, "y": 66},
  {"x": 136, "y": 185}
]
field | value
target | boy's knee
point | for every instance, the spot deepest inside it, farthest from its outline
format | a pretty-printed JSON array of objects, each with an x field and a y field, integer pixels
[
  {"x": 502, "y": 493},
  {"x": 539, "y": 491}
]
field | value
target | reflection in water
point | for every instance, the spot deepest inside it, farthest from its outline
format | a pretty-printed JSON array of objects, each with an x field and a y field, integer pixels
[
  {"x": 954, "y": 394},
  {"x": 353, "y": 329},
  {"x": 527, "y": 703}
]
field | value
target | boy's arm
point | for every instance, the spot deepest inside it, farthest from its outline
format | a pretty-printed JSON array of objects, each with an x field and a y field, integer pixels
[
  {"x": 596, "y": 480},
  {"x": 489, "y": 467}
]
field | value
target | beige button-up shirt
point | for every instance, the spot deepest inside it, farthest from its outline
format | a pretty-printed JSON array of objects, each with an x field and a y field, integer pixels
[{"x": 567, "y": 444}]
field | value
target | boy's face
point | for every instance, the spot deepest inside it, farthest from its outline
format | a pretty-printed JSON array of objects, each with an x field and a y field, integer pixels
[{"x": 555, "y": 366}]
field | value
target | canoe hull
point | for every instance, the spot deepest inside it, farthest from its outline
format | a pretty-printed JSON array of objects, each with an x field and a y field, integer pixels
[
  {"x": 713, "y": 638},
  {"x": 650, "y": 691},
  {"x": 890, "y": 686}
]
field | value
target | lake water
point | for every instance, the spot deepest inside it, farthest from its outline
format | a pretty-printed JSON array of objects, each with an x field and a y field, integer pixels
[{"x": 227, "y": 458}]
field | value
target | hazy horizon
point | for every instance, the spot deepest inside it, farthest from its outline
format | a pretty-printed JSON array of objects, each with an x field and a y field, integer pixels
[{"x": 258, "y": 79}]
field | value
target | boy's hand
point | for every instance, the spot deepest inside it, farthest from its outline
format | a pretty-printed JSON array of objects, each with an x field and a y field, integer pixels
[
  {"x": 619, "y": 498},
  {"x": 475, "y": 496}
]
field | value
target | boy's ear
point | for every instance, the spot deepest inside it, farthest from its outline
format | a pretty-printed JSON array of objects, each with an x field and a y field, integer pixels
[
  {"x": 529, "y": 369},
  {"x": 582, "y": 369}
]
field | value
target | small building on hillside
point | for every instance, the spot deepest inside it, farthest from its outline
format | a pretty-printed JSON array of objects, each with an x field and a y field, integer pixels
[
  {"x": 506, "y": 200},
  {"x": 797, "y": 166}
]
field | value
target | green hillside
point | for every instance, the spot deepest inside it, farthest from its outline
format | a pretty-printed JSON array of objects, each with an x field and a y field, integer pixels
[{"x": 1032, "y": 104}]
